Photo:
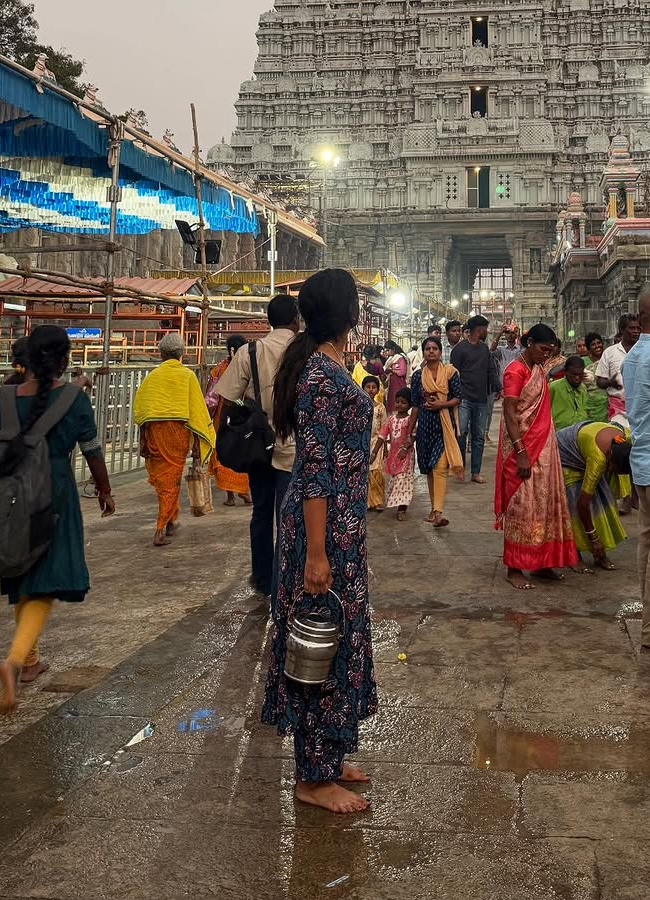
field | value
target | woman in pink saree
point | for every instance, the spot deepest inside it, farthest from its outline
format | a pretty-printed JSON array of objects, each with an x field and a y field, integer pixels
[
  {"x": 397, "y": 370},
  {"x": 529, "y": 499}
]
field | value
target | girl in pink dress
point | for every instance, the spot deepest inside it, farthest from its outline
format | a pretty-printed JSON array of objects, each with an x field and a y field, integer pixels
[{"x": 400, "y": 461}]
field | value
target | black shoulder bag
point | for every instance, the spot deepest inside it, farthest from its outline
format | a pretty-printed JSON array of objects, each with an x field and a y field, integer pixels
[{"x": 245, "y": 440}]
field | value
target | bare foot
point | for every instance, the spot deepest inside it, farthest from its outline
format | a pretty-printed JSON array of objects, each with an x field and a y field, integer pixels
[
  {"x": 441, "y": 521},
  {"x": 478, "y": 479},
  {"x": 31, "y": 673},
  {"x": 246, "y": 498},
  {"x": 605, "y": 564},
  {"x": 8, "y": 682},
  {"x": 353, "y": 774},
  {"x": 431, "y": 518},
  {"x": 548, "y": 574},
  {"x": 330, "y": 796},
  {"x": 160, "y": 540},
  {"x": 582, "y": 570},
  {"x": 172, "y": 528},
  {"x": 401, "y": 515},
  {"x": 229, "y": 502},
  {"x": 460, "y": 478},
  {"x": 517, "y": 579}
]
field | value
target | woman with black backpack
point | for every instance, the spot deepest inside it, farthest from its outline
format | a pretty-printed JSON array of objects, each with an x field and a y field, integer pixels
[{"x": 60, "y": 572}]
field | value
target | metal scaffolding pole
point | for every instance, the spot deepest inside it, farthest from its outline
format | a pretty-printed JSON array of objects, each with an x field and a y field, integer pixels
[
  {"x": 273, "y": 252},
  {"x": 205, "y": 310},
  {"x": 116, "y": 136},
  {"x": 324, "y": 223}
]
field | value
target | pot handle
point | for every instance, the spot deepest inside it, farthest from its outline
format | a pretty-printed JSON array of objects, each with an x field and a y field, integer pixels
[{"x": 291, "y": 618}]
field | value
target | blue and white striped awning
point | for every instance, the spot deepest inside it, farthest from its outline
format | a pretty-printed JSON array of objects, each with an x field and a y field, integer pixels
[{"x": 54, "y": 174}]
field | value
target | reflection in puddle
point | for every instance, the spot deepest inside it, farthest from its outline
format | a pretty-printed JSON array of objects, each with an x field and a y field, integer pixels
[
  {"x": 508, "y": 748},
  {"x": 145, "y": 732},
  {"x": 199, "y": 720},
  {"x": 631, "y": 609}
]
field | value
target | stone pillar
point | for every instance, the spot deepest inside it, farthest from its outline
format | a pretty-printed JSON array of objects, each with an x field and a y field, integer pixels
[
  {"x": 612, "y": 202},
  {"x": 583, "y": 236}
]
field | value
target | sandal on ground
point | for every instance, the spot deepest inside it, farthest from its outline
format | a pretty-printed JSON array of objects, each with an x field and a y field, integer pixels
[{"x": 441, "y": 521}]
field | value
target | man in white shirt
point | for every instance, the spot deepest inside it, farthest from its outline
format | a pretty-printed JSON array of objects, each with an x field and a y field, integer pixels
[
  {"x": 268, "y": 487},
  {"x": 453, "y": 334},
  {"x": 608, "y": 371}
]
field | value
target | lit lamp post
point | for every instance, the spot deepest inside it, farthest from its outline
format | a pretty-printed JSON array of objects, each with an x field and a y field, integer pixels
[
  {"x": 398, "y": 300},
  {"x": 328, "y": 159}
]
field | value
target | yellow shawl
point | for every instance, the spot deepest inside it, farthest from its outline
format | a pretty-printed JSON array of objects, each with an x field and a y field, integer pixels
[
  {"x": 172, "y": 393},
  {"x": 439, "y": 388}
]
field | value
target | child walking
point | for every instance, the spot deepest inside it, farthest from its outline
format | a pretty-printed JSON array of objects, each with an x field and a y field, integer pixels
[
  {"x": 400, "y": 461},
  {"x": 372, "y": 386}
]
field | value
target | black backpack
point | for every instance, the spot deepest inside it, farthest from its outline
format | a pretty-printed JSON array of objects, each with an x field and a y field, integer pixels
[
  {"x": 245, "y": 439},
  {"x": 27, "y": 520}
]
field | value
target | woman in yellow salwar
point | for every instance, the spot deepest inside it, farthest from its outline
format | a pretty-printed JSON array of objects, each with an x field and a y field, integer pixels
[
  {"x": 595, "y": 459},
  {"x": 372, "y": 385},
  {"x": 369, "y": 366},
  {"x": 170, "y": 409},
  {"x": 233, "y": 483}
]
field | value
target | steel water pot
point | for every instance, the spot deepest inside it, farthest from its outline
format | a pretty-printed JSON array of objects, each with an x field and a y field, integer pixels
[{"x": 312, "y": 643}]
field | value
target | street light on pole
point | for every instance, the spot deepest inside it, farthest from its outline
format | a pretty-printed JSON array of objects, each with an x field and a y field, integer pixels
[{"x": 328, "y": 159}]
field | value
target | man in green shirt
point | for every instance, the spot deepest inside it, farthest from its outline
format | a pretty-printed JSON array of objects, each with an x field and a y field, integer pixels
[{"x": 569, "y": 395}]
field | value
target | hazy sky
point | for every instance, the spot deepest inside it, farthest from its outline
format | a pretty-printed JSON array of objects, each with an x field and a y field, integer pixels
[{"x": 147, "y": 54}]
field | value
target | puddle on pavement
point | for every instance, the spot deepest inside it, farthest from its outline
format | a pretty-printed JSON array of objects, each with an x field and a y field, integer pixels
[
  {"x": 200, "y": 720},
  {"x": 508, "y": 748}
]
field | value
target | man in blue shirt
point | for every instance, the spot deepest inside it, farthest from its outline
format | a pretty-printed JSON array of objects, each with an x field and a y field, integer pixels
[{"x": 636, "y": 383}]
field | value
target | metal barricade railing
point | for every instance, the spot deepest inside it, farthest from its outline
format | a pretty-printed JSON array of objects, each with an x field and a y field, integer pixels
[{"x": 122, "y": 434}]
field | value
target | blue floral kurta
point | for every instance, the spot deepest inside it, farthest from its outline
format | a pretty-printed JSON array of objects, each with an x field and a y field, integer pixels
[{"x": 333, "y": 421}]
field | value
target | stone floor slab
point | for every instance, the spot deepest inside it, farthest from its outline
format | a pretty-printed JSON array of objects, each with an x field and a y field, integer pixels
[
  {"x": 599, "y": 806},
  {"x": 576, "y": 643},
  {"x": 169, "y": 860},
  {"x": 623, "y": 870},
  {"x": 460, "y": 642}
]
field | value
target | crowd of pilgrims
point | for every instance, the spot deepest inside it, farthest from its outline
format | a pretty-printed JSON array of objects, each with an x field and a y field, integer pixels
[
  {"x": 563, "y": 460},
  {"x": 347, "y": 442}
]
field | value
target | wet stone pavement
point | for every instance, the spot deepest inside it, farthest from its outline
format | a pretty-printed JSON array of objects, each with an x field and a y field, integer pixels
[{"x": 510, "y": 759}]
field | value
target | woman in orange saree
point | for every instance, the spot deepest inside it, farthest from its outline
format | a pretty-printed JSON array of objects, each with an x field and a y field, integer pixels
[
  {"x": 530, "y": 500},
  {"x": 226, "y": 480}
]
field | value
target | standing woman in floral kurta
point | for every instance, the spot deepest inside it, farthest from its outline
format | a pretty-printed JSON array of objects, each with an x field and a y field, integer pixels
[{"x": 323, "y": 544}]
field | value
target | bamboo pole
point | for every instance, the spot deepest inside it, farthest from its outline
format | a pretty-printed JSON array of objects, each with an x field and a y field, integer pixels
[
  {"x": 205, "y": 308},
  {"x": 114, "y": 197}
]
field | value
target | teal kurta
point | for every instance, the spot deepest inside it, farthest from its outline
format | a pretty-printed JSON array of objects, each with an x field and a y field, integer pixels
[{"x": 61, "y": 573}]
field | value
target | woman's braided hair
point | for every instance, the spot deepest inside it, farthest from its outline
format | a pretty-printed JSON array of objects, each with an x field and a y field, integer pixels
[{"x": 48, "y": 350}]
